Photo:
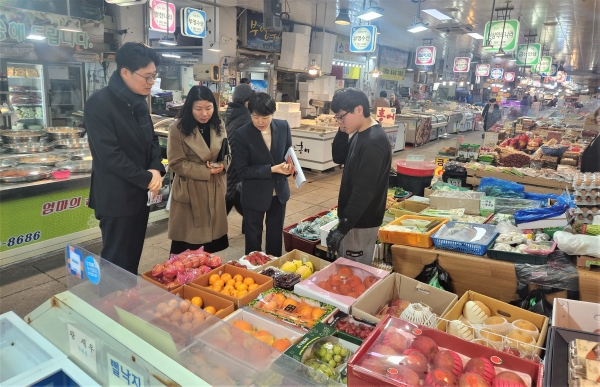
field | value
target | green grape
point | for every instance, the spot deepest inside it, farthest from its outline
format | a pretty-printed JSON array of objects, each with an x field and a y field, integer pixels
[
  {"x": 332, "y": 363},
  {"x": 328, "y": 357},
  {"x": 322, "y": 352},
  {"x": 344, "y": 352},
  {"x": 323, "y": 367},
  {"x": 345, "y": 380},
  {"x": 337, "y": 358},
  {"x": 314, "y": 366},
  {"x": 328, "y": 372},
  {"x": 337, "y": 350}
]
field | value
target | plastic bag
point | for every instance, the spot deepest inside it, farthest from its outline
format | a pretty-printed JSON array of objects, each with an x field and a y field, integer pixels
[
  {"x": 434, "y": 275},
  {"x": 533, "y": 214},
  {"x": 440, "y": 186},
  {"x": 559, "y": 272},
  {"x": 501, "y": 188},
  {"x": 536, "y": 302},
  {"x": 507, "y": 228},
  {"x": 578, "y": 244},
  {"x": 543, "y": 198}
]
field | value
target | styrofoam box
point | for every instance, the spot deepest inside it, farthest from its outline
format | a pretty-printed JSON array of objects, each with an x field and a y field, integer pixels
[
  {"x": 288, "y": 107},
  {"x": 577, "y": 315},
  {"x": 305, "y": 86},
  {"x": 277, "y": 330},
  {"x": 325, "y": 231},
  {"x": 23, "y": 351},
  {"x": 301, "y": 29},
  {"x": 306, "y": 94}
]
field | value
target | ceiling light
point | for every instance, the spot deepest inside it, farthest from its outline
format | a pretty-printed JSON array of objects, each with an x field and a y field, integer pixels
[
  {"x": 343, "y": 19},
  {"x": 214, "y": 47},
  {"x": 374, "y": 57},
  {"x": 444, "y": 83},
  {"x": 475, "y": 35},
  {"x": 371, "y": 13},
  {"x": 375, "y": 73},
  {"x": 500, "y": 53},
  {"x": 35, "y": 37},
  {"x": 167, "y": 42},
  {"x": 171, "y": 56},
  {"x": 410, "y": 69},
  {"x": 436, "y": 14},
  {"x": 417, "y": 27},
  {"x": 487, "y": 47}
]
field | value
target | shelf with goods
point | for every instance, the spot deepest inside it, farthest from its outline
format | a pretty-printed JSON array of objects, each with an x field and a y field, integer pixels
[{"x": 27, "y": 93}]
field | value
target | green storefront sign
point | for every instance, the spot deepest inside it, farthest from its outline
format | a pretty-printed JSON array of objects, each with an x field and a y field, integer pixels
[
  {"x": 498, "y": 33},
  {"x": 529, "y": 54},
  {"x": 40, "y": 218},
  {"x": 544, "y": 66}
]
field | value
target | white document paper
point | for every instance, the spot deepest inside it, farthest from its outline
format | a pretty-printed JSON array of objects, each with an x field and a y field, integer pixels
[{"x": 297, "y": 173}]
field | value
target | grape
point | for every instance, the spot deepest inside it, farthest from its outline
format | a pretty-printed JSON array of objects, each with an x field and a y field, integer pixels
[
  {"x": 337, "y": 350},
  {"x": 315, "y": 366},
  {"x": 322, "y": 352},
  {"x": 337, "y": 358},
  {"x": 332, "y": 363},
  {"x": 328, "y": 372},
  {"x": 324, "y": 367},
  {"x": 344, "y": 352},
  {"x": 328, "y": 357}
]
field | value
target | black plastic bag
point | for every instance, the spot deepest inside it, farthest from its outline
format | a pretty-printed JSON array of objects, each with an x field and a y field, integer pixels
[
  {"x": 434, "y": 275},
  {"x": 536, "y": 302},
  {"x": 237, "y": 199}
]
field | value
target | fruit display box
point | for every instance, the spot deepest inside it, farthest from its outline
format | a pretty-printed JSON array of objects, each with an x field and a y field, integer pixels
[
  {"x": 148, "y": 277},
  {"x": 577, "y": 315},
  {"x": 297, "y": 255},
  {"x": 265, "y": 283},
  {"x": 501, "y": 309},
  {"x": 398, "y": 286},
  {"x": 332, "y": 275},
  {"x": 248, "y": 261},
  {"x": 349, "y": 329},
  {"x": 400, "y": 353},
  {"x": 318, "y": 332},
  {"x": 223, "y": 307},
  {"x": 260, "y": 323},
  {"x": 288, "y": 307}
]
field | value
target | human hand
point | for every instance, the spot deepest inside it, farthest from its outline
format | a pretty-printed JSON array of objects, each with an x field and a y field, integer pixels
[
  {"x": 334, "y": 239},
  {"x": 282, "y": 169},
  {"x": 156, "y": 182},
  {"x": 215, "y": 171}
]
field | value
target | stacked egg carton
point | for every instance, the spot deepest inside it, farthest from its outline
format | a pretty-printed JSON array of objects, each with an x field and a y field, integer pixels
[
  {"x": 289, "y": 111},
  {"x": 587, "y": 200}
]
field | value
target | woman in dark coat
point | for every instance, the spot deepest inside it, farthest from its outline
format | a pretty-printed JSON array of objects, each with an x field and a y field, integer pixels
[{"x": 236, "y": 116}]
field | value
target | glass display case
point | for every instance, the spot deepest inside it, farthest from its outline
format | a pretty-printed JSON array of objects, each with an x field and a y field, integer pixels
[
  {"x": 65, "y": 90},
  {"x": 26, "y": 94}
]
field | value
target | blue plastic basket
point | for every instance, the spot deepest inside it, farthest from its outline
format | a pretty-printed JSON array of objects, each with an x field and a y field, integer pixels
[
  {"x": 465, "y": 247},
  {"x": 554, "y": 152}
]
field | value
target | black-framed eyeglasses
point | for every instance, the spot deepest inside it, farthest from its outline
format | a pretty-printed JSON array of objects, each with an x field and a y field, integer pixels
[
  {"x": 341, "y": 118},
  {"x": 149, "y": 79}
]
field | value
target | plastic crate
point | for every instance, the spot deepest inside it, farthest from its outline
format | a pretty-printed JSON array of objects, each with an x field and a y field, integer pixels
[
  {"x": 410, "y": 238},
  {"x": 466, "y": 247},
  {"x": 517, "y": 257},
  {"x": 294, "y": 242}
]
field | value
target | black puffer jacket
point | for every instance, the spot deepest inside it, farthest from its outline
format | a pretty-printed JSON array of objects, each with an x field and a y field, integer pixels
[{"x": 236, "y": 116}]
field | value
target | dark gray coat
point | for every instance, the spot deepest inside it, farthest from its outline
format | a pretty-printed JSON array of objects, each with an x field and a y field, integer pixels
[{"x": 236, "y": 116}]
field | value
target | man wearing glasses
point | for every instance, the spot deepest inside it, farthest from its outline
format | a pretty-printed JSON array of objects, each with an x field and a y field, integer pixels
[
  {"x": 126, "y": 156},
  {"x": 367, "y": 158}
]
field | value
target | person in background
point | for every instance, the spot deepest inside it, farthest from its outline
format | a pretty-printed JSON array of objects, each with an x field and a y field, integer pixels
[
  {"x": 535, "y": 98},
  {"x": 381, "y": 102},
  {"x": 524, "y": 104},
  {"x": 469, "y": 98},
  {"x": 395, "y": 103},
  {"x": 236, "y": 116},
  {"x": 553, "y": 102},
  {"x": 198, "y": 216},
  {"x": 260, "y": 150},
  {"x": 590, "y": 159},
  {"x": 486, "y": 111},
  {"x": 127, "y": 163},
  {"x": 246, "y": 81},
  {"x": 493, "y": 117},
  {"x": 514, "y": 113},
  {"x": 287, "y": 98},
  {"x": 363, "y": 191}
]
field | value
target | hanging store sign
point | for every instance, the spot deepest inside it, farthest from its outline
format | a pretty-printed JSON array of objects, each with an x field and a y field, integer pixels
[
  {"x": 193, "y": 22},
  {"x": 393, "y": 57},
  {"x": 497, "y": 73},
  {"x": 528, "y": 54},
  {"x": 425, "y": 56},
  {"x": 553, "y": 70},
  {"x": 255, "y": 36},
  {"x": 363, "y": 39},
  {"x": 391, "y": 73},
  {"x": 80, "y": 9},
  {"x": 503, "y": 33},
  {"x": 545, "y": 65},
  {"x": 561, "y": 76},
  {"x": 342, "y": 50},
  {"x": 59, "y": 46},
  {"x": 162, "y": 16},
  {"x": 482, "y": 70},
  {"x": 509, "y": 77},
  {"x": 462, "y": 64}
]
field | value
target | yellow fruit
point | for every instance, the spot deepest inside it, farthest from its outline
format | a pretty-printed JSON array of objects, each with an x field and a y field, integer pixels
[
  {"x": 238, "y": 278},
  {"x": 217, "y": 289},
  {"x": 242, "y": 286},
  {"x": 304, "y": 271},
  {"x": 225, "y": 277},
  {"x": 288, "y": 267},
  {"x": 234, "y": 293},
  {"x": 228, "y": 287},
  {"x": 210, "y": 310},
  {"x": 230, "y": 282},
  {"x": 197, "y": 301},
  {"x": 219, "y": 283},
  {"x": 297, "y": 263},
  {"x": 252, "y": 287},
  {"x": 248, "y": 281},
  {"x": 242, "y": 293},
  {"x": 243, "y": 326},
  {"x": 310, "y": 265},
  {"x": 213, "y": 278}
]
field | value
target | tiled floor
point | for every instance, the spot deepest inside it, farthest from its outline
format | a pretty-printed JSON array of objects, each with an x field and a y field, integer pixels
[{"x": 25, "y": 286}]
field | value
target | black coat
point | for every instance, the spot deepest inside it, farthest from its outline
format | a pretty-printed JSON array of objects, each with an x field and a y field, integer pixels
[
  {"x": 122, "y": 155},
  {"x": 236, "y": 116},
  {"x": 253, "y": 163}
]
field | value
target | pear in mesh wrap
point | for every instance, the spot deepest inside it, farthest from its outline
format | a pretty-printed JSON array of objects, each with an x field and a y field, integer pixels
[
  {"x": 476, "y": 312},
  {"x": 464, "y": 330}
]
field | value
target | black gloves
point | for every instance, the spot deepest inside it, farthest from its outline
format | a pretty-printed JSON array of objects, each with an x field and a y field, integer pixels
[{"x": 333, "y": 243}]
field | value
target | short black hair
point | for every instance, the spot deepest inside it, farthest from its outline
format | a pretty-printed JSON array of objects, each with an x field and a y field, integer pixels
[
  {"x": 134, "y": 55},
  {"x": 245, "y": 80},
  {"x": 348, "y": 99},
  {"x": 492, "y": 100},
  {"x": 383, "y": 93},
  {"x": 262, "y": 104},
  {"x": 187, "y": 123}
]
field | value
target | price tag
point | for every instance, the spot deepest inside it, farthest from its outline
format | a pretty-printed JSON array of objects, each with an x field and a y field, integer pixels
[
  {"x": 415, "y": 158},
  {"x": 487, "y": 205},
  {"x": 455, "y": 182},
  {"x": 82, "y": 347}
]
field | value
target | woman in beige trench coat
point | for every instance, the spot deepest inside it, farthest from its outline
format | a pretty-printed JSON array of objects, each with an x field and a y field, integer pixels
[{"x": 198, "y": 215}]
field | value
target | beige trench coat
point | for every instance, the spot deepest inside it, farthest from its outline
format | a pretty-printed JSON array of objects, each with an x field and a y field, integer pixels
[{"x": 198, "y": 214}]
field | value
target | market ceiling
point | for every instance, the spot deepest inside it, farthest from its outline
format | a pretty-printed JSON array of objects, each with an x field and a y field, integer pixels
[{"x": 570, "y": 29}]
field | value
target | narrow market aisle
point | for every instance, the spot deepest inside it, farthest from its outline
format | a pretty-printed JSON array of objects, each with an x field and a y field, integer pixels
[{"x": 24, "y": 286}]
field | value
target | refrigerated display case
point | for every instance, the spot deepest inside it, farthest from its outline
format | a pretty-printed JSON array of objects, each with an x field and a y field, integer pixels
[
  {"x": 418, "y": 128},
  {"x": 27, "y": 94},
  {"x": 66, "y": 93}
]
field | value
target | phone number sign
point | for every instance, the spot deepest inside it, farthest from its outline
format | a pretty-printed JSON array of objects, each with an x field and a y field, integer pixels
[{"x": 363, "y": 39}]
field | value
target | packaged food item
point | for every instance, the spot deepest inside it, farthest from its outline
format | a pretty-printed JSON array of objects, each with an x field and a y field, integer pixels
[
  {"x": 19, "y": 72},
  {"x": 541, "y": 248},
  {"x": 584, "y": 362},
  {"x": 31, "y": 73},
  {"x": 10, "y": 71}
]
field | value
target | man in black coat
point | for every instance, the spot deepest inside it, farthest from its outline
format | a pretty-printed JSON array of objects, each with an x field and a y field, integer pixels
[
  {"x": 367, "y": 158},
  {"x": 126, "y": 155},
  {"x": 236, "y": 116}
]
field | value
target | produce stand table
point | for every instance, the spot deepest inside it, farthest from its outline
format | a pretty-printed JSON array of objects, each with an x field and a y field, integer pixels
[
  {"x": 496, "y": 279},
  {"x": 532, "y": 184}
]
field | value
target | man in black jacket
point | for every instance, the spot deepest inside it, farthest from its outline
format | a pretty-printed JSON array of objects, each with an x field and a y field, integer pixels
[
  {"x": 126, "y": 155},
  {"x": 363, "y": 191},
  {"x": 236, "y": 116}
]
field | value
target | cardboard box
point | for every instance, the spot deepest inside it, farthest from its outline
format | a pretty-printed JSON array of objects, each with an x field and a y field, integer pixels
[
  {"x": 223, "y": 306},
  {"x": 318, "y": 263},
  {"x": 496, "y": 279},
  {"x": 399, "y": 286},
  {"x": 586, "y": 262},
  {"x": 277, "y": 330},
  {"x": 499, "y": 308},
  {"x": 408, "y": 207},
  {"x": 577, "y": 315},
  {"x": 470, "y": 205},
  {"x": 148, "y": 277},
  {"x": 265, "y": 283},
  {"x": 589, "y": 285},
  {"x": 333, "y": 320}
]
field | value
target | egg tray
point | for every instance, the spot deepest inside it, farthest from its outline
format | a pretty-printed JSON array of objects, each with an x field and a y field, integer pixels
[
  {"x": 586, "y": 220},
  {"x": 584, "y": 202}
]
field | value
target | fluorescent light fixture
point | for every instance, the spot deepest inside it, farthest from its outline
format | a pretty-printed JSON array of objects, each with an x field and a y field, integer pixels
[
  {"x": 375, "y": 73},
  {"x": 487, "y": 46},
  {"x": 500, "y": 53},
  {"x": 475, "y": 35},
  {"x": 343, "y": 19},
  {"x": 263, "y": 63},
  {"x": 437, "y": 14},
  {"x": 171, "y": 56},
  {"x": 374, "y": 57},
  {"x": 371, "y": 13},
  {"x": 410, "y": 69},
  {"x": 214, "y": 47},
  {"x": 35, "y": 37},
  {"x": 417, "y": 27},
  {"x": 70, "y": 26},
  {"x": 313, "y": 71},
  {"x": 167, "y": 42},
  {"x": 444, "y": 83}
]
